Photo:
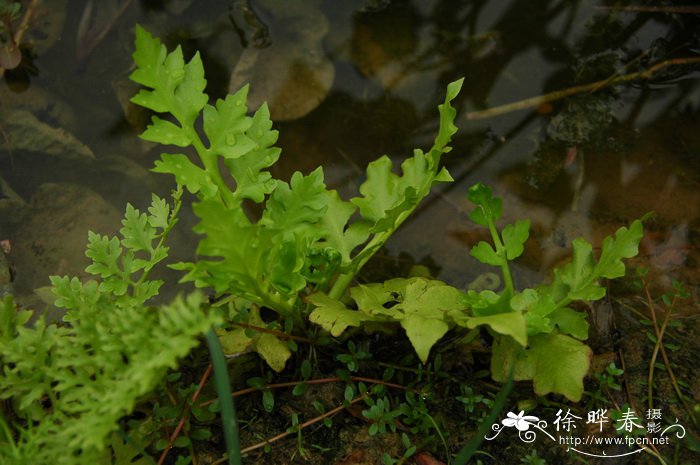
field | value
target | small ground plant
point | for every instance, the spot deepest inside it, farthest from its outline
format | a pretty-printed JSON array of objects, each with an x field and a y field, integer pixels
[{"x": 277, "y": 280}]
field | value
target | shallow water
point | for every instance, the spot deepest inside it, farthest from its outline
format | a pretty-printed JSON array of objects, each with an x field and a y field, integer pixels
[{"x": 585, "y": 165}]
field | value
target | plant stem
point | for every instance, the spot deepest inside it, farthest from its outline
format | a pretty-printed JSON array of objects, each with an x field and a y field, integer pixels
[
  {"x": 228, "y": 412},
  {"x": 344, "y": 280},
  {"x": 340, "y": 285},
  {"x": 177, "y": 203},
  {"x": 501, "y": 251},
  {"x": 211, "y": 166}
]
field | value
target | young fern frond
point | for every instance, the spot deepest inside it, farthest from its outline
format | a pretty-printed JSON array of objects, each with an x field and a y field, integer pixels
[{"x": 71, "y": 384}]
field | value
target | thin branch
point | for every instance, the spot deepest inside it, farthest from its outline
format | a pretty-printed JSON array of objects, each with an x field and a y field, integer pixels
[
  {"x": 84, "y": 51},
  {"x": 276, "y": 438},
  {"x": 659, "y": 347},
  {"x": 181, "y": 424},
  {"x": 652, "y": 9},
  {"x": 288, "y": 384},
  {"x": 534, "y": 102}
]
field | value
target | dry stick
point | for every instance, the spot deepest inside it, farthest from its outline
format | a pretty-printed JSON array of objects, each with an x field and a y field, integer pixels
[
  {"x": 652, "y": 9},
  {"x": 83, "y": 51},
  {"x": 180, "y": 425},
  {"x": 245, "y": 391},
  {"x": 593, "y": 86},
  {"x": 660, "y": 348},
  {"x": 314, "y": 420},
  {"x": 654, "y": 451}
]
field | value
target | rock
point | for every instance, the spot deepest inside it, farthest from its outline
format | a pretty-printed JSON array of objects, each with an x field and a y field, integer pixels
[
  {"x": 51, "y": 240},
  {"x": 293, "y": 74},
  {"x": 27, "y": 132}
]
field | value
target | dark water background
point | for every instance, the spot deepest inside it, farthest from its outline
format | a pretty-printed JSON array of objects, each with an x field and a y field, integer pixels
[{"x": 584, "y": 165}]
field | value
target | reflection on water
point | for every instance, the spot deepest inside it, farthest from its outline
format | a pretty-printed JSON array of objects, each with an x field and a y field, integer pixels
[{"x": 581, "y": 165}]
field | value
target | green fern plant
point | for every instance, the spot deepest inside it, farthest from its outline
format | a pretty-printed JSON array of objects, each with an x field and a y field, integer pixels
[{"x": 70, "y": 384}]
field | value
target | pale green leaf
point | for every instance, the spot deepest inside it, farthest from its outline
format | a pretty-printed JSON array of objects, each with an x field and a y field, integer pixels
[
  {"x": 423, "y": 333},
  {"x": 571, "y": 322},
  {"x": 302, "y": 202},
  {"x": 233, "y": 254},
  {"x": 381, "y": 190},
  {"x": 488, "y": 208},
  {"x": 447, "y": 118},
  {"x": 287, "y": 261},
  {"x": 514, "y": 238},
  {"x": 536, "y": 308},
  {"x": 483, "y": 251},
  {"x": 186, "y": 173},
  {"x": 625, "y": 244},
  {"x": 234, "y": 341},
  {"x": 508, "y": 324},
  {"x": 332, "y": 315},
  {"x": 177, "y": 87},
  {"x": 158, "y": 212},
  {"x": 105, "y": 253},
  {"x": 165, "y": 132},
  {"x": 273, "y": 350},
  {"x": 579, "y": 275},
  {"x": 252, "y": 182},
  {"x": 137, "y": 233},
  {"x": 421, "y": 305},
  {"x": 556, "y": 363},
  {"x": 225, "y": 126},
  {"x": 559, "y": 364},
  {"x": 335, "y": 233}
]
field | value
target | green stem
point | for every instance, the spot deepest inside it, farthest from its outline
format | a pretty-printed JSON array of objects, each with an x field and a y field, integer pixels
[
  {"x": 362, "y": 258},
  {"x": 177, "y": 203},
  {"x": 501, "y": 252},
  {"x": 340, "y": 285},
  {"x": 211, "y": 166},
  {"x": 223, "y": 387}
]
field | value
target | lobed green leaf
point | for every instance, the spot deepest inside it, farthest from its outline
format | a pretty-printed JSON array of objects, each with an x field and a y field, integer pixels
[{"x": 488, "y": 208}]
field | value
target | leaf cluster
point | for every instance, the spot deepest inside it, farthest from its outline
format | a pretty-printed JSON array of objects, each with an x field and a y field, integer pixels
[
  {"x": 537, "y": 334},
  {"x": 307, "y": 238}
]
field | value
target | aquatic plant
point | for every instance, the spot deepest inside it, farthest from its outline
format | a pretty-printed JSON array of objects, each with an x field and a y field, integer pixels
[{"x": 71, "y": 383}]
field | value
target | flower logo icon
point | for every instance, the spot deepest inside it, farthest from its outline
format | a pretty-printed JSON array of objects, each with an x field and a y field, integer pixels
[{"x": 520, "y": 421}]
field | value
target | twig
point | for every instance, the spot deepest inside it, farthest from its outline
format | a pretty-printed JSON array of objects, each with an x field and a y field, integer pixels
[
  {"x": 85, "y": 51},
  {"x": 659, "y": 347},
  {"x": 180, "y": 425},
  {"x": 651, "y": 449},
  {"x": 245, "y": 391},
  {"x": 652, "y": 9},
  {"x": 314, "y": 420},
  {"x": 593, "y": 86}
]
